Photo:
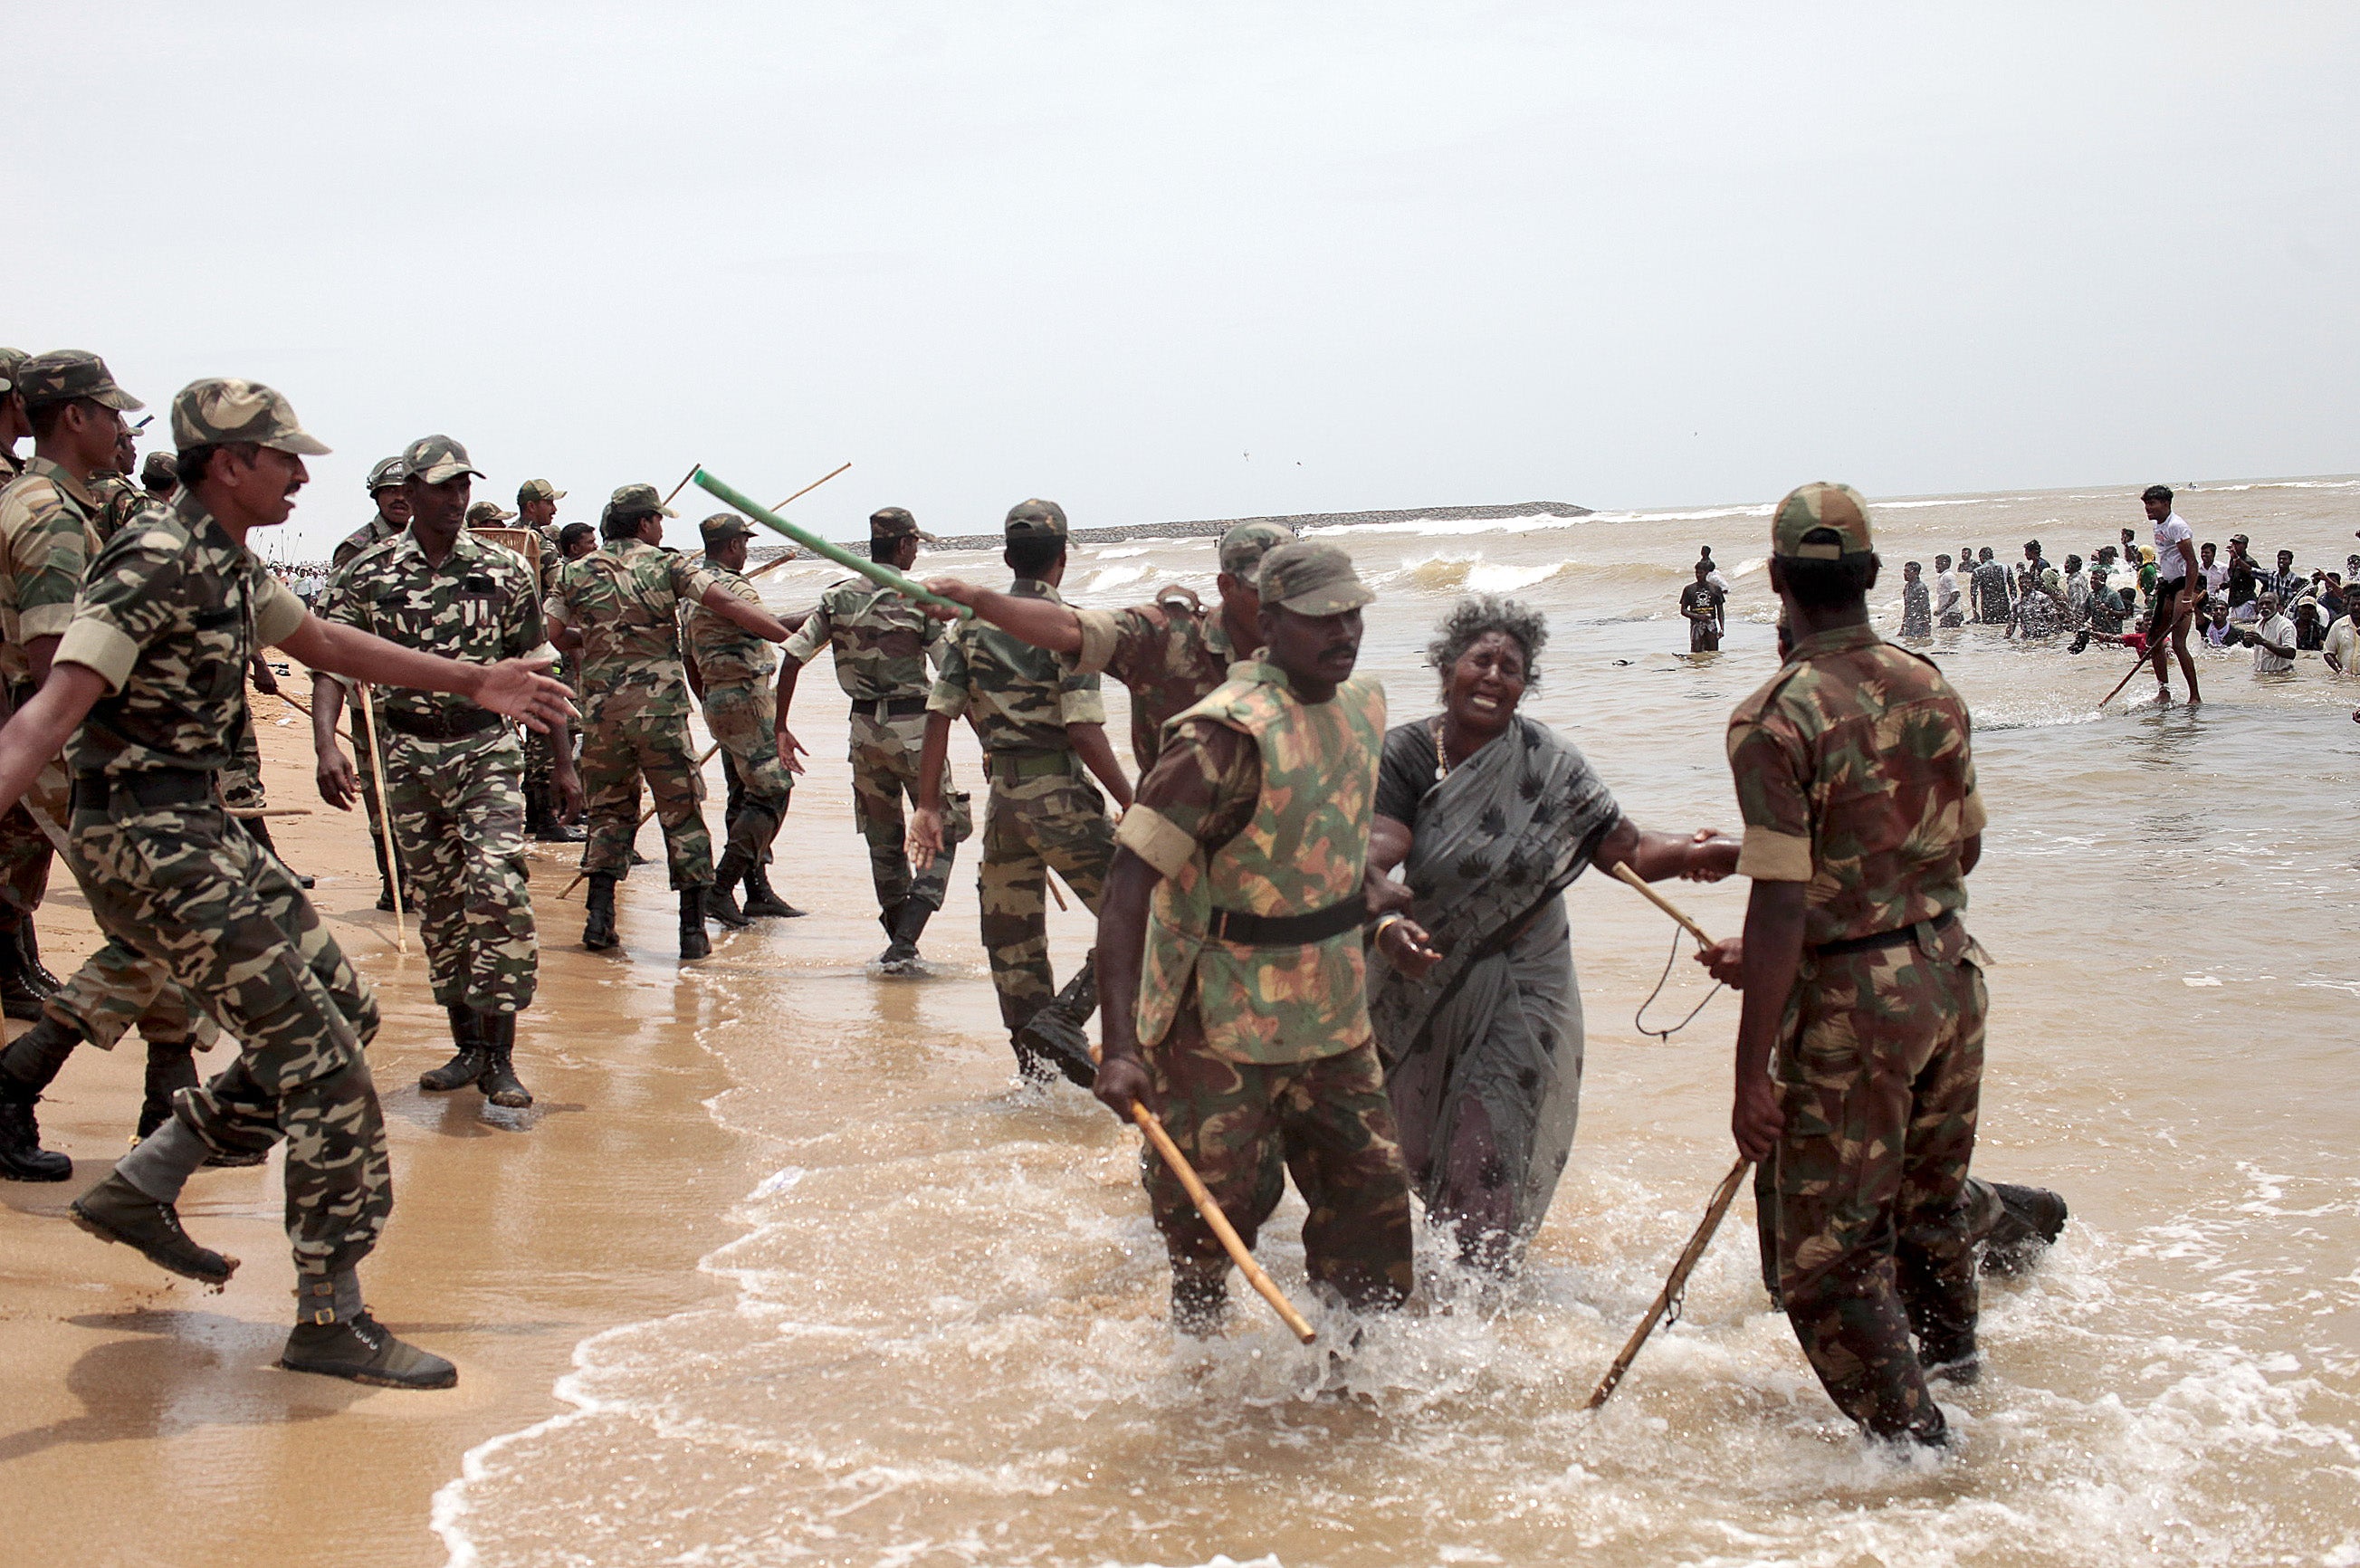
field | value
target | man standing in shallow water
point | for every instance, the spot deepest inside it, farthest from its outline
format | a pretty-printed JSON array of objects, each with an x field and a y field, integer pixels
[{"x": 1855, "y": 781}]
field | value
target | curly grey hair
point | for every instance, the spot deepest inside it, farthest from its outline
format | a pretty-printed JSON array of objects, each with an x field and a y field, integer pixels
[{"x": 1478, "y": 614}]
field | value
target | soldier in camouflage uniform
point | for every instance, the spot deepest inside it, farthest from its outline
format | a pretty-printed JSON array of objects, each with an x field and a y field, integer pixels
[
  {"x": 159, "y": 476},
  {"x": 155, "y": 656},
  {"x": 111, "y": 489},
  {"x": 620, "y": 609},
  {"x": 543, "y": 819},
  {"x": 392, "y": 502},
  {"x": 1230, "y": 944},
  {"x": 454, "y": 772},
  {"x": 48, "y": 519},
  {"x": 1856, "y": 783},
  {"x": 1041, "y": 724},
  {"x": 882, "y": 643},
  {"x": 731, "y": 673},
  {"x": 1170, "y": 653},
  {"x": 13, "y": 426}
]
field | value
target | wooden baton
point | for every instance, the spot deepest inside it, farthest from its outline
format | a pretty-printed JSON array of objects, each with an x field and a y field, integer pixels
[
  {"x": 1667, "y": 1299},
  {"x": 1622, "y": 870},
  {"x": 385, "y": 818},
  {"x": 1152, "y": 1125}
]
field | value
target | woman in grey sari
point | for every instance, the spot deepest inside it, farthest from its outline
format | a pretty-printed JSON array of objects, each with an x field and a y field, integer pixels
[{"x": 1491, "y": 815}]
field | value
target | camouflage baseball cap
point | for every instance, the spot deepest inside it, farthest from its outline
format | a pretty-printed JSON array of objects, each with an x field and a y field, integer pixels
[
  {"x": 387, "y": 474},
  {"x": 437, "y": 460},
  {"x": 1244, "y": 547},
  {"x": 1036, "y": 519},
  {"x": 538, "y": 491},
  {"x": 1821, "y": 504},
  {"x": 892, "y": 522},
  {"x": 158, "y": 469},
  {"x": 636, "y": 497},
  {"x": 64, "y": 374},
  {"x": 1312, "y": 579},
  {"x": 723, "y": 526},
  {"x": 488, "y": 514},
  {"x": 220, "y": 408},
  {"x": 9, "y": 359}
]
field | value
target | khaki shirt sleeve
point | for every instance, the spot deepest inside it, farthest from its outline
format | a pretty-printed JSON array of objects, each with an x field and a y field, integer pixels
[
  {"x": 950, "y": 694},
  {"x": 1156, "y": 839},
  {"x": 1079, "y": 700},
  {"x": 1773, "y": 776},
  {"x": 277, "y": 612}
]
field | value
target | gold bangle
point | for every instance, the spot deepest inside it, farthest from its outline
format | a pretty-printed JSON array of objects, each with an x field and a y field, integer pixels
[{"x": 1386, "y": 923}]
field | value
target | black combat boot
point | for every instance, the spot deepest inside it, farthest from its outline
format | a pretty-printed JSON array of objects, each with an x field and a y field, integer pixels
[
  {"x": 498, "y": 1081},
  {"x": 467, "y": 1065},
  {"x": 2030, "y": 1220},
  {"x": 901, "y": 956},
  {"x": 18, "y": 998},
  {"x": 694, "y": 942},
  {"x": 28, "y": 942},
  {"x": 172, "y": 1066},
  {"x": 335, "y": 1336},
  {"x": 599, "y": 932},
  {"x": 719, "y": 902},
  {"x": 22, "y": 1157},
  {"x": 537, "y": 816},
  {"x": 384, "y": 872},
  {"x": 1056, "y": 1034},
  {"x": 762, "y": 900},
  {"x": 114, "y": 1211}
]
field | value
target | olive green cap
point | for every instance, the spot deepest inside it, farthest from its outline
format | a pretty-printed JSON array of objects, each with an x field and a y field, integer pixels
[
  {"x": 1807, "y": 509},
  {"x": 636, "y": 497},
  {"x": 723, "y": 527},
  {"x": 892, "y": 522},
  {"x": 488, "y": 514},
  {"x": 538, "y": 491},
  {"x": 9, "y": 359},
  {"x": 1243, "y": 547},
  {"x": 1036, "y": 519},
  {"x": 222, "y": 409},
  {"x": 63, "y": 375},
  {"x": 157, "y": 468},
  {"x": 1312, "y": 579},
  {"x": 437, "y": 460}
]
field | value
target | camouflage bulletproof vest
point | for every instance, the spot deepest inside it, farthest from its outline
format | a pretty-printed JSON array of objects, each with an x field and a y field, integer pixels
[
  {"x": 725, "y": 652},
  {"x": 1303, "y": 852}
]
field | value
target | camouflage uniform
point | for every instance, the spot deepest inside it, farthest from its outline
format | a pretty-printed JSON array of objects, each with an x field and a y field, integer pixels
[
  {"x": 1853, "y": 775},
  {"x": 454, "y": 772},
  {"x": 741, "y": 709},
  {"x": 117, "y": 500},
  {"x": 625, "y": 600},
  {"x": 1259, "y": 1043},
  {"x": 170, "y": 617},
  {"x": 882, "y": 643},
  {"x": 370, "y": 534},
  {"x": 1174, "y": 651}
]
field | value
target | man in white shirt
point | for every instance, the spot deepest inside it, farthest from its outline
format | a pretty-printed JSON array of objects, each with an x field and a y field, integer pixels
[
  {"x": 2273, "y": 641},
  {"x": 2176, "y": 590},
  {"x": 1946, "y": 595},
  {"x": 2215, "y": 573},
  {"x": 2343, "y": 649},
  {"x": 2077, "y": 592}
]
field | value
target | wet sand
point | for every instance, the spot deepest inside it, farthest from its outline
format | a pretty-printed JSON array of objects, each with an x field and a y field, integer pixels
[{"x": 144, "y": 1420}]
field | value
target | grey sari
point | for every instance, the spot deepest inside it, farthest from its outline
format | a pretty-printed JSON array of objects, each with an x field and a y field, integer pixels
[{"x": 1484, "y": 1056}]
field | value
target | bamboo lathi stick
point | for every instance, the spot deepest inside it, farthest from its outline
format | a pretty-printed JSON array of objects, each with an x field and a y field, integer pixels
[
  {"x": 1622, "y": 870},
  {"x": 1667, "y": 1299},
  {"x": 1152, "y": 1125},
  {"x": 385, "y": 817}
]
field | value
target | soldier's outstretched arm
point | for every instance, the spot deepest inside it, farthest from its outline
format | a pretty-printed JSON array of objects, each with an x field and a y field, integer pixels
[
  {"x": 750, "y": 617},
  {"x": 520, "y": 689},
  {"x": 39, "y": 729},
  {"x": 1122, "y": 941},
  {"x": 1038, "y": 622}
]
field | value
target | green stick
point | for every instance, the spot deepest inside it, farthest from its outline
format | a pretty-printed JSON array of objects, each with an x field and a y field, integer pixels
[{"x": 874, "y": 571}]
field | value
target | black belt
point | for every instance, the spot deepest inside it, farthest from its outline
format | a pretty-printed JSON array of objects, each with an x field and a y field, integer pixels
[
  {"x": 149, "y": 788},
  {"x": 885, "y": 707},
  {"x": 455, "y": 726},
  {"x": 1289, "y": 930},
  {"x": 1892, "y": 938}
]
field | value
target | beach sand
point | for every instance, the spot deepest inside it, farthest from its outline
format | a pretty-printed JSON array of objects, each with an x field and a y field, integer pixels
[{"x": 146, "y": 1420}]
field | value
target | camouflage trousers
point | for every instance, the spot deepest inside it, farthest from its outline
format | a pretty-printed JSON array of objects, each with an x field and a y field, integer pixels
[
  {"x": 743, "y": 716},
  {"x": 241, "y": 782},
  {"x": 25, "y": 851},
  {"x": 617, "y": 749},
  {"x": 116, "y": 986},
  {"x": 374, "y": 806},
  {"x": 1880, "y": 1072},
  {"x": 1244, "y": 1126},
  {"x": 185, "y": 888},
  {"x": 458, "y": 817},
  {"x": 1056, "y": 821},
  {"x": 884, "y": 770}
]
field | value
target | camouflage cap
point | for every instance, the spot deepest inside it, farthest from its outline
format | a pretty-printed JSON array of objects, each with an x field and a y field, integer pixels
[
  {"x": 1244, "y": 547},
  {"x": 437, "y": 460},
  {"x": 9, "y": 359},
  {"x": 158, "y": 468},
  {"x": 488, "y": 514},
  {"x": 63, "y": 375},
  {"x": 635, "y": 498},
  {"x": 387, "y": 474},
  {"x": 220, "y": 408},
  {"x": 1312, "y": 579},
  {"x": 538, "y": 491},
  {"x": 892, "y": 522},
  {"x": 724, "y": 526},
  {"x": 1821, "y": 504},
  {"x": 1036, "y": 519}
]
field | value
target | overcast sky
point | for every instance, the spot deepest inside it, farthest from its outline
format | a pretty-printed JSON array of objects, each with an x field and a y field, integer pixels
[{"x": 1165, "y": 261}]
